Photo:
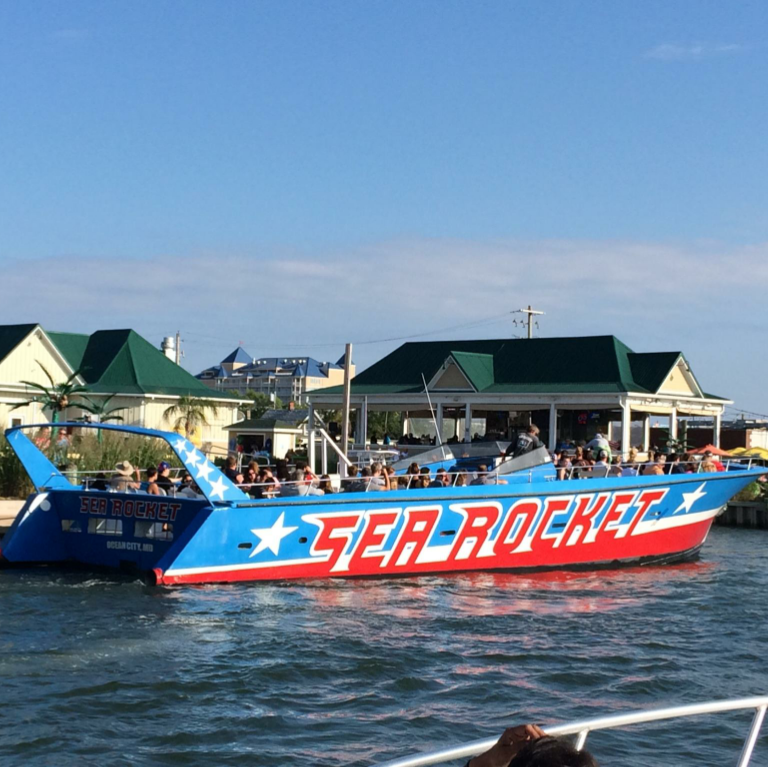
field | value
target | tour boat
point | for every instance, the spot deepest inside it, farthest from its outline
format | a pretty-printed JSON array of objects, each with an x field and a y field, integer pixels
[{"x": 523, "y": 518}]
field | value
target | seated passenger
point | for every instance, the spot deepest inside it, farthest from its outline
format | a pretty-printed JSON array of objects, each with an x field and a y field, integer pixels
[
  {"x": 600, "y": 468},
  {"x": 121, "y": 480},
  {"x": 615, "y": 470},
  {"x": 461, "y": 480},
  {"x": 719, "y": 466},
  {"x": 164, "y": 480},
  {"x": 325, "y": 485},
  {"x": 152, "y": 486},
  {"x": 232, "y": 472},
  {"x": 412, "y": 475},
  {"x": 481, "y": 477},
  {"x": 379, "y": 479},
  {"x": 442, "y": 479},
  {"x": 301, "y": 486},
  {"x": 529, "y": 745}
]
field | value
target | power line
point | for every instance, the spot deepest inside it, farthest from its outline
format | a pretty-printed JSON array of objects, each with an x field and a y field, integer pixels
[{"x": 462, "y": 326}]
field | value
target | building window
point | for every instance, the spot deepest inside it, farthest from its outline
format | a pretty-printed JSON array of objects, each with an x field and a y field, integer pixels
[{"x": 15, "y": 421}]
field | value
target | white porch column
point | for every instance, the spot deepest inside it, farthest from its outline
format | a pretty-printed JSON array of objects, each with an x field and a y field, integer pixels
[
  {"x": 646, "y": 432},
  {"x": 311, "y": 433},
  {"x": 716, "y": 431},
  {"x": 626, "y": 420},
  {"x": 673, "y": 424},
  {"x": 439, "y": 420},
  {"x": 552, "y": 426},
  {"x": 364, "y": 422},
  {"x": 468, "y": 423},
  {"x": 406, "y": 424}
]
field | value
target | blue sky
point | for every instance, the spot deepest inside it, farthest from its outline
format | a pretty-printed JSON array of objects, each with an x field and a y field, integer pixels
[{"x": 305, "y": 173}]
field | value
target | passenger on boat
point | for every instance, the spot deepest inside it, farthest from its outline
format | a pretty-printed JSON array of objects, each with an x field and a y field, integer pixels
[
  {"x": 673, "y": 465},
  {"x": 461, "y": 479},
  {"x": 442, "y": 479},
  {"x": 424, "y": 478},
  {"x": 481, "y": 478},
  {"x": 164, "y": 479},
  {"x": 630, "y": 469},
  {"x": 599, "y": 443},
  {"x": 152, "y": 486},
  {"x": 563, "y": 465},
  {"x": 121, "y": 480},
  {"x": 708, "y": 466},
  {"x": 529, "y": 745},
  {"x": 412, "y": 475},
  {"x": 231, "y": 471},
  {"x": 526, "y": 442},
  {"x": 301, "y": 485},
  {"x": 719, "y": 467},
  {"x": 379, "y": 479},
  {"x": 250, "y": 477},
  {"x": 325, "y": 485},
  {"x": 655, "y": 467},
  {"x": 615, "y": 469},
  {"x": 600, "y": 467}
]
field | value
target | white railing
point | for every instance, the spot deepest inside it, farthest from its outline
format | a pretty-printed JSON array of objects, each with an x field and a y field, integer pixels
[{"x": 582, "y": 728}]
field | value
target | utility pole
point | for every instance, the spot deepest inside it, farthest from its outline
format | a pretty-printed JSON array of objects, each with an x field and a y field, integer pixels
[
  {"x": 529, "y": 320},
  {"x": 178, "y": 347},
  {"x": 345, "y": 407}
]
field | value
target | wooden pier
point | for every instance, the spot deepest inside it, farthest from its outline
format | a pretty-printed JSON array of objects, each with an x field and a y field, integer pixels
[{"x": 744, "y": 514}]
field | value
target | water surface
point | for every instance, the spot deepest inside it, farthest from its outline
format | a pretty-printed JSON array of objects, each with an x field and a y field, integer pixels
[{"x": 102, "y": 671}]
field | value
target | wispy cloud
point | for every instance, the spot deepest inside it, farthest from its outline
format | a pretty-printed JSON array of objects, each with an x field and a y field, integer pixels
[
  {"x": 692, "y": 51},
  {"x": 701, "y": 297},
  {"x": 70, "y": 35}
]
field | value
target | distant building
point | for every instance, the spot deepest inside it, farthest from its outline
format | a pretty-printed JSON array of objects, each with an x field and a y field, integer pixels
[
  {"x": 143, "y": 381},
  {"x": 287, "y": 378},
  {"x": 571, "y": 388},
  {"x": 277, "y": 431}
]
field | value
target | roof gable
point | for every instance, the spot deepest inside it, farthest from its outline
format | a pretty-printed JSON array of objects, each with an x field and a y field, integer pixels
[
  {"x": 237, "y": 356},
  {"x": 12, "y": 335},
  {"x": 72, "y": 346}
]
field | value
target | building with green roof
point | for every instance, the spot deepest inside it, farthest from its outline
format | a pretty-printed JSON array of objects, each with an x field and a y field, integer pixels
[
  {"x": 142, "y": 381},
  {"x": 571, "y": 387}
]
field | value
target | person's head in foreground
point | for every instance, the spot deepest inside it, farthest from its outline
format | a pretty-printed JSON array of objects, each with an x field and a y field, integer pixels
[{"x": 529, "y": 745}]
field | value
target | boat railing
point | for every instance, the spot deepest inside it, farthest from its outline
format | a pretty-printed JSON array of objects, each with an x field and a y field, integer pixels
[
  {"x": 582, "y": 728},
  {"x": 616, "y": 470}
]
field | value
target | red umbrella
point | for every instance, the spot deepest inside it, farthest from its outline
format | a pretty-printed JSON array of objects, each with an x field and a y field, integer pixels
[{"x": 711, "y": 449}]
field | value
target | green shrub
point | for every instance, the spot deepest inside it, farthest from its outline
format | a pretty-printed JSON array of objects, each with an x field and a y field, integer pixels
[
  {"x": 87, "y": 454},
  {"x": 751, "y": 493}
]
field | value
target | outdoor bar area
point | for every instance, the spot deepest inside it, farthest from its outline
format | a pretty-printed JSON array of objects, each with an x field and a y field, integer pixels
[{"x": 571, "y": 388}]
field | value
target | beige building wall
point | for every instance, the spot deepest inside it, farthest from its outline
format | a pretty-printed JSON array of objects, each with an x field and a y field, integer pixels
[{"x": 22, "y": 364}]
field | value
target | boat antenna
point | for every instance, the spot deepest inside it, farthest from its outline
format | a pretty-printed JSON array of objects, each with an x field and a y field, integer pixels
[{"x": 434, "y": 420}]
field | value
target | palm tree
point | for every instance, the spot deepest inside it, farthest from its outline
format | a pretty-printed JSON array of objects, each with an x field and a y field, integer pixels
[
  {"x": 189, "y": 413},
  {"x": 104, "y": 413},
  {"x": 57, "y": 397}
]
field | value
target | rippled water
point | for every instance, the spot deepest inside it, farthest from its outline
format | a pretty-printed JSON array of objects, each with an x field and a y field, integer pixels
[{"x": 99, "y": 671}]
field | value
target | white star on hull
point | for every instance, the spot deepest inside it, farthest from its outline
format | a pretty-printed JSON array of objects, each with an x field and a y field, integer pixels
[
  {"x": 271, "y": 537},
  {"x": 689, "y": 499}
]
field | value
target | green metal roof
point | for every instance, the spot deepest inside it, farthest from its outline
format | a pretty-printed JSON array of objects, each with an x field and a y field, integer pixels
[
  {"x": 122, "y": 361},
  {"x": 263, "y": 424},
  {"x": 117, "y": 362},
  {"x": 477, "y": 367},
  {"x": 12, "y": 335},
  {"x": 71, "y": 345},
  {"x": 584, "y": 364}
]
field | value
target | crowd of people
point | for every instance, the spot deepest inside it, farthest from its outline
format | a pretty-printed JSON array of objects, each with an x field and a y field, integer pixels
[{"x": 584, "y": 462}]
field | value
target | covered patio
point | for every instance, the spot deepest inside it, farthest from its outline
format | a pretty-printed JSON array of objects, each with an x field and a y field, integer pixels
[{"x": 570, "y": 388}]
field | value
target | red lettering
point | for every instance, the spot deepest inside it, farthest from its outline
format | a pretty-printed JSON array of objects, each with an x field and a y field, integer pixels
[
  {"x": 162, "y": 510},
  {"x": 334, "y": 535},
  {"x": 620, "y": 504},
  {"x": 475, "y": 530},
  {"x": 520, "y": 514},
  {"x": 417, "y": 528},
  {"x": 84, "y": 501},
  {"x": 150, "y": 510},
  {"x": 646, "y": 500},
  {"x": 554, "y": 505},
  {"x": 102, "y": 506},
  {"x": 175, "y": 507},
  {"x": 128, "y": 506},
  {"x": 117, "y": 508},
  {"x": 588, "y": 507},
  {"x": 377, "y": 528}
]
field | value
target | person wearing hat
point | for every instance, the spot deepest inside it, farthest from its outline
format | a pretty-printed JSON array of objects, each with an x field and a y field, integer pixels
[
  {"x": 121, "y": 480},
  {"x": 164, "y": 480}
]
